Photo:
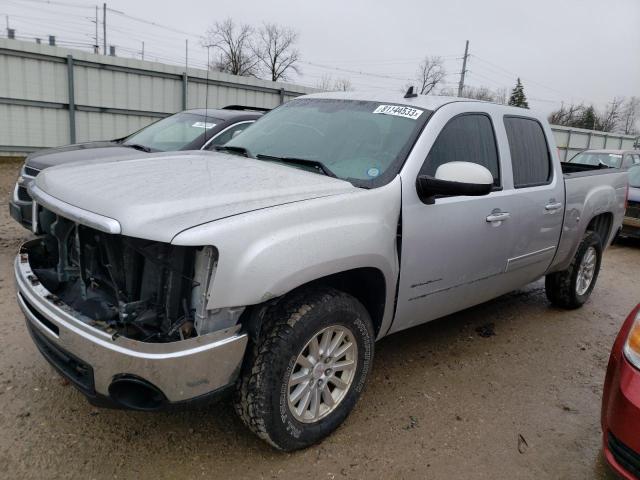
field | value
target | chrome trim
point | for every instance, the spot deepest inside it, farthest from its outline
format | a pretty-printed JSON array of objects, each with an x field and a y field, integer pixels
[
  {"x": 204, "y": 147},
  {"x": 24, "y": 173},
  {"x": 498, "y": 217},
  {"x": 182, "y": 370},
  {"x": 529, "y": 258},
  {"x": 15, "y": 197},
  {"x": 34, "y": 218},
  {"x": 78, "y": 215}
]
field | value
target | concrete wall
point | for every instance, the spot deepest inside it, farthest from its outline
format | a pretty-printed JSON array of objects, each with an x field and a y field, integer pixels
[{"x": 52, "y": 96}]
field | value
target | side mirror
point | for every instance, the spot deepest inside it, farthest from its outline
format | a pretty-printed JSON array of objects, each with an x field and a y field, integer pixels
[{"x": 455, "y": 178}]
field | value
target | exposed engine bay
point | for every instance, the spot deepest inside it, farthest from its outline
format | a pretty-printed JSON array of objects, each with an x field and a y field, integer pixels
[{"x": 144, "y": 290}]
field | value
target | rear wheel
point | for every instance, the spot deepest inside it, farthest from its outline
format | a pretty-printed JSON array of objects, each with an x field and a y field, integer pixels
[
  {"x": 308, "y": 370},
  {"x": 572, "y": 287}
]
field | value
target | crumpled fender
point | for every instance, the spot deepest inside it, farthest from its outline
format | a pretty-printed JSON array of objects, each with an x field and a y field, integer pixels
[{"x": 267, "y": 253}]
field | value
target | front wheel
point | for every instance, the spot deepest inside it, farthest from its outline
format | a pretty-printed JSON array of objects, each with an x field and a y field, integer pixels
[
  {"x": 309, "y": 369},
  {"x": 572, "y": 287}
]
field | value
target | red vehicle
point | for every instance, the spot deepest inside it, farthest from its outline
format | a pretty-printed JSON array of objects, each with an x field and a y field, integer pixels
[{"x": 621, "y": 401}]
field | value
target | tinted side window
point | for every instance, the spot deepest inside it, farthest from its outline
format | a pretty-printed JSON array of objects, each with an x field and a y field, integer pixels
[
  {"x": 466, "y": 138},
  {"x": 529, "y": 152}
]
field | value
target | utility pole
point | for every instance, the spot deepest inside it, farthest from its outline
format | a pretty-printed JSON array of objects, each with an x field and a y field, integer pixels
[
  {"x": 96, "y": 45},
  {"x": 464, "y": 68},
  {"x": 143, "y": 50},
  {"x": 104, "y": 26}
]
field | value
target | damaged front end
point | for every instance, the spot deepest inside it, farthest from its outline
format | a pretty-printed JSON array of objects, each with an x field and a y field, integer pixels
[{"x": 140, "y": 289}]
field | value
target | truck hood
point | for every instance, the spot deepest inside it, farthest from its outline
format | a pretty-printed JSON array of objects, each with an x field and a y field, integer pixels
[
  {"x": 77, "y": 153},
  {"x": 157, "y": 197}
]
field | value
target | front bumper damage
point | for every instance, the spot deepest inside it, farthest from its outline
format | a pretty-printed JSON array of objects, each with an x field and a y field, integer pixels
[{"x": 113, "y": 370}]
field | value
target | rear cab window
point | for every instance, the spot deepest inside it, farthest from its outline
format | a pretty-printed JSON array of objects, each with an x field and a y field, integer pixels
[
  {"x": 468, "y": 137},
  {"x": 530, "y": 157}
]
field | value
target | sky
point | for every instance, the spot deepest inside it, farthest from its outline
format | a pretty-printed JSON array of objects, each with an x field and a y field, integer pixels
[{"x": 570, "y": 51}]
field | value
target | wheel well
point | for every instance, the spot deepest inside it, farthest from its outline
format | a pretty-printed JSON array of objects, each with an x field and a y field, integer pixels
[
  {"x": 367, "y": 284},
  {"x": 601, "y": 224}
]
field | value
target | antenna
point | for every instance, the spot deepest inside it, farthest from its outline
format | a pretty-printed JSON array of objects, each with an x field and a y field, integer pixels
[
  {"x": 410, "y": 93},
  {"x": 206, "y": 99}
]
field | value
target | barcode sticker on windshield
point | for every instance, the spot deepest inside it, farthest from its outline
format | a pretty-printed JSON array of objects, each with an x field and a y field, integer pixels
[
  {"x": 203, "y": 125},
  {"x": 406, "y": 112}
]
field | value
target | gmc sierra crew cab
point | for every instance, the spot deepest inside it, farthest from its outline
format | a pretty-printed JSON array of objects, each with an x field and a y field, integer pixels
[{"x": 272, "y": 266}]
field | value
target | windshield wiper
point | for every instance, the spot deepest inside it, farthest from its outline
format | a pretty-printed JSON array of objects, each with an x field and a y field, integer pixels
[
  {"x": 137, "y": 146},
  {"x": 321, "y": 167},
  {"x": 233, "y": 149}
]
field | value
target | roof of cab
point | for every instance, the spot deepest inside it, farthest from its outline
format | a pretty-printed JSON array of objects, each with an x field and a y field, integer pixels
[{"x": 428, "y": 102}]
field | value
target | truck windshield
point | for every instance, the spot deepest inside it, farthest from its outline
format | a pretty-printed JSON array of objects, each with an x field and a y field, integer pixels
[
  {"x": 172, "y": 133},
  {"x": 634, "y": 177},
  {"x": 613, "y": 160},
  {"x": 360, "y": 141}
]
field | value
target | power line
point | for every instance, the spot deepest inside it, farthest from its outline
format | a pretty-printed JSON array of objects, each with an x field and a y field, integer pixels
[
  {"x": 148, "y": 22},
  {"x": 527, "y": 79},
  {"x": 357, "y": 72},
  {"x": 62, "y": 4}
]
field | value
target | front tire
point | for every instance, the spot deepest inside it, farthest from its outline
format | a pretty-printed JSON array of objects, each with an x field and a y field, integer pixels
[
  {"x": 572, "y": 287},
  {"x": 309, "y": 368}
]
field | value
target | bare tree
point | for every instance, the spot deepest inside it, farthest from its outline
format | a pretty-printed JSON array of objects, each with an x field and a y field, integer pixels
[
  {"x": 501, "y": 95},
  {"x": 629, "y": 117},
  {"x": 275, "y": 50},
  {"x": 609, "y": 120},
  {"x": 431, "y": 73},
  {"x": 478, "y": 93},
  {"x": 325, "y": 83},
  {"x": 342, "y": 85},
  {"x": 233, "y": 44},
  {"x": 566, "y": 115}
]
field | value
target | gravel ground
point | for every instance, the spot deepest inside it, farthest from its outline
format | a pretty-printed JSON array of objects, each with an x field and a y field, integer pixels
[{"x": 442, "y": 402}]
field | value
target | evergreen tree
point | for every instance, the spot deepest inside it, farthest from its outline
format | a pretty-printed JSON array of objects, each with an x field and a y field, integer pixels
[
  {"x": 588, "y": 119},
  {"x": 518, "y": 98}
]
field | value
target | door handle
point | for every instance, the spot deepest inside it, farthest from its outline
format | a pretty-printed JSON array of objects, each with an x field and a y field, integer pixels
[
  {"x": 498, "y": 217},
  {"x": 553, "y": 206}
]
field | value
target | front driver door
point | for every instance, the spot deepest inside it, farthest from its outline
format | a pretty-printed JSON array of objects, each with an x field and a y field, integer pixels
[{"x": 452, "y": 254}]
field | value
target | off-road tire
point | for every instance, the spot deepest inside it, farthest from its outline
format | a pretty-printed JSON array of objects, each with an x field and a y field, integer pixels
[
  {"x": 261, "y": 391},
  {"x": 560, "y": 287}
]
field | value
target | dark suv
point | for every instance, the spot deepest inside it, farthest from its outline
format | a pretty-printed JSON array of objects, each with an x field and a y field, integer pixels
[{"x": 196, "y": 129}]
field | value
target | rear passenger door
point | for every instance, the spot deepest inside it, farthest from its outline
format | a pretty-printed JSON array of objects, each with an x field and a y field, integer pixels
[{"x": 538, "y": 206}]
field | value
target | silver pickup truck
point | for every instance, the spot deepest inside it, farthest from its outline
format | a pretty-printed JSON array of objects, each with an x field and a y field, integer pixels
[{"x": 273, "y": 266}]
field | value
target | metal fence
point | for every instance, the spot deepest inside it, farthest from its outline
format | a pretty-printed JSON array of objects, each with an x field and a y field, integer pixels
[
  {"x": 52, "y": 96},
  {"x": 571, "y": 140}
]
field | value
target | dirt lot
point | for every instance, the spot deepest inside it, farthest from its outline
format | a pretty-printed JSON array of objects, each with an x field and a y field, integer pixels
[{"x": 442, "y": 402}]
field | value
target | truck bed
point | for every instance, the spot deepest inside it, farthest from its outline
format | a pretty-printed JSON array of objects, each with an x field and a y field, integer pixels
[
  {"x": 589, "y": 191},
  {"x": 572, "y": 170}
]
